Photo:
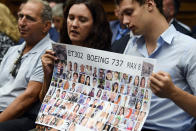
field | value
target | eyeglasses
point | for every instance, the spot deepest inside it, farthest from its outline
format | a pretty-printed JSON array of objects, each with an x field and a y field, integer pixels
[{"x": 16, "y": 65}]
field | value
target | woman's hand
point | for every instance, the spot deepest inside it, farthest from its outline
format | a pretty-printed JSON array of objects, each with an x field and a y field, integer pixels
[{"x": 48, "y": 60}]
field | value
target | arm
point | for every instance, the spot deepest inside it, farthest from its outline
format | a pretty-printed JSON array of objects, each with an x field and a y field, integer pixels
[
  {"x": 22, "y": 102},
  {"x": 162, "y": 86},
  {"x": 47, "y": 63}
]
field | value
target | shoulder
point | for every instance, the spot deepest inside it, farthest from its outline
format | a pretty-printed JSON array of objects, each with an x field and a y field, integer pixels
[
  {"x": 184, "y": 25},
  {"x": 13, "y": 49},
  {"x": 184, "y": 44},
  {"x": 179, "y": 27},
  {"x": 184, "y": 40},
  {"x": 43, "y": 45}
]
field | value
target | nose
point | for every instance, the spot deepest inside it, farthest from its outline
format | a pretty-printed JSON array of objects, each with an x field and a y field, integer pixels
[
  {"x": 22, "y": 21},
  {"x": 126, "y": 21},
  {"x": 75, "y": 23}
]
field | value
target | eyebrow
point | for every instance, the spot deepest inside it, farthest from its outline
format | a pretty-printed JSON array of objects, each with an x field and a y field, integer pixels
[{"x": 27, "y": 16}]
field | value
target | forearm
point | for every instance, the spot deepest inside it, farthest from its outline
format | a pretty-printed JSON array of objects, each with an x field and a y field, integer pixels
[
  {"x": 45, "y": 86},
  {"x": 48, "y": 60},
  {"x": 185, "y": 100},
  {"x": 17, "y": 107}
]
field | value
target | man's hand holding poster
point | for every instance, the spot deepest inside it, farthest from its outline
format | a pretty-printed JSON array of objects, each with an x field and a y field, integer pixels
[{"x": 97, "y": 90}]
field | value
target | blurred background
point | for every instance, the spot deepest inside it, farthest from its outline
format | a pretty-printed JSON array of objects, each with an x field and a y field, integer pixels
[{"x": 187, "y": 12}]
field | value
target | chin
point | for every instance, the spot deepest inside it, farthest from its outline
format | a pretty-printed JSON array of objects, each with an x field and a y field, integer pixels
[
  {"x": 23, "y": 36},
  {"x": 74, "y": 39}
]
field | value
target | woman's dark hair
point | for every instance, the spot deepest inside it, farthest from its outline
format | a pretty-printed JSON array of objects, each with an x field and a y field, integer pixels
[
  {"x": 100, "y": 35},
  {"x": 79, "y": 80},
  {"x": 88, "y": 77}
]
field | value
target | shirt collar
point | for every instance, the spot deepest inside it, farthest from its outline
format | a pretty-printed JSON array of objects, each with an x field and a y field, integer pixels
[
  {"x": 167, "y": 36},
  {"x": 38, "y": 47}
]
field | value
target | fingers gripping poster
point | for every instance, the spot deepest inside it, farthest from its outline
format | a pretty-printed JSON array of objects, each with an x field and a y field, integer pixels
[{"x": 97, "y": 90}]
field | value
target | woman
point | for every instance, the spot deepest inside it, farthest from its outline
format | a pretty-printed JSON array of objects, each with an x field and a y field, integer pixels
[
  {"x": 69, "y": 66},
  {"x": 75, "y": 67},
  {"x": 84, "y": 19},
  {"x": 9, "y": 34},
  {"x": 138, "y": 105},
  {"x": 99, "y": 92},
  {"x": 130, "y": 80},
  {"x": 142, "y": 82},
  {"x": 75, "y": 77},
  {"x": 136, "y": 81},
  {"x": 87, "y": 82},
  {"x": 99, "y": 25},
  {"x": 115, "y": 87},
  {"x": 121, "y": 111},
  {"x": 81, "y": 78}
]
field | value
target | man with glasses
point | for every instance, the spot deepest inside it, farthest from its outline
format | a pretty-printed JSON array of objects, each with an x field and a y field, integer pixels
[{"x": 21, "y": 73}]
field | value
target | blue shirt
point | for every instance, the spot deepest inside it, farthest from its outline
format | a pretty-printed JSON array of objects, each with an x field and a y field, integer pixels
[
  {"x": 121, "y": 32},
  {"x": 30, "y": 70},
  {"x": 117, "y": 31},
  {"x": 175, "y": 54}
]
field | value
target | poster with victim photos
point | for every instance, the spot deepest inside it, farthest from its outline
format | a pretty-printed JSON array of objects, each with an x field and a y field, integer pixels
[{"x": 97, "y": 90}]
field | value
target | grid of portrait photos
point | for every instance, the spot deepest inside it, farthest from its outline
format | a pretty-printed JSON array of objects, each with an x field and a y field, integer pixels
[{"x": 94, "y": 98}]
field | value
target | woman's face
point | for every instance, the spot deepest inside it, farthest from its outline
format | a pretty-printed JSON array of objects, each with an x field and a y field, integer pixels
[
  {"x": 136, "y": 81},
  {"x": 116, "y": 75},
  {"x": 79, "y": 23},
  {"x": 138, "y": 105},
  {"x": 121, "y": 111},
  {"x": 115, "y": 86},
  {"x": 143, "y": 82},
  {"x": 75, "y": 76},
  {"x": 83, "y": 79},
  {"x": 130, "y": 79},
  {"x": 75, "y": 66},
  {"x": 99, "y": 93}
]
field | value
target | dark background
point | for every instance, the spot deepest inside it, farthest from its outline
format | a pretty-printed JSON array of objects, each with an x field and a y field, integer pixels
[{"x": 187, "y": 13}]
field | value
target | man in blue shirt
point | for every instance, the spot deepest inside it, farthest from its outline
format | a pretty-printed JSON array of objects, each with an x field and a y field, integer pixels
[
  {"x": 174, "y": 78},
  {"x": 21, "y": 73},
  {"x": 118, "y": 29}
]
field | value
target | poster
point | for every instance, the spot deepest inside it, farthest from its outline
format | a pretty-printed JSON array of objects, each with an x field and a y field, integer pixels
[{"x": 97, "y": 90}]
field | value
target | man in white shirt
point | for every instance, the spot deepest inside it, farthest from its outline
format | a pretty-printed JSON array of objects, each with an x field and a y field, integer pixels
[{"x": 21, "y": 73}]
